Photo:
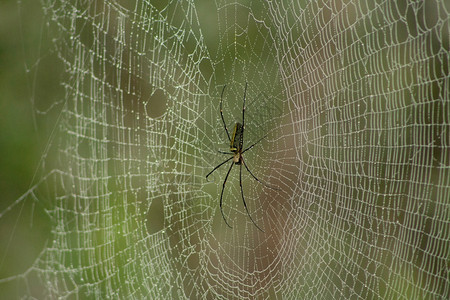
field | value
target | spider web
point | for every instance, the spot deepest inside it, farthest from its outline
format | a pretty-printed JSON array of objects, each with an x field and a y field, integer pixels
[{"x": 353, "y": 97}]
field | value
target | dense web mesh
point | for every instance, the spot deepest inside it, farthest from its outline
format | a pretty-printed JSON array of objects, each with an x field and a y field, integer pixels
[{"x": 353, "y": 97}]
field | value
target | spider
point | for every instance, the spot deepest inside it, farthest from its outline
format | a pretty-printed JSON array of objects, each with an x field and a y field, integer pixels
[{"x": 237, "y": 150}]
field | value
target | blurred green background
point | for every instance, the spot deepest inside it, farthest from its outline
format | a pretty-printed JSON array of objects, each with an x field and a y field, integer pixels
[
  {"x": 18, "y": 138},
  {"x": 29, "y": 93},
  {"x": 30, "y": 102}
]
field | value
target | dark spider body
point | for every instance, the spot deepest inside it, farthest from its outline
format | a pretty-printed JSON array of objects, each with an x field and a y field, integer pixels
[
  {"x": 237, "y": 150},
  {"x": 236, "y": 143}
]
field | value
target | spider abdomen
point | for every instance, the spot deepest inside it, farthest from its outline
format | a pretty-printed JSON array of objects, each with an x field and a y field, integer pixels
[{"x": 236, "y": 138}]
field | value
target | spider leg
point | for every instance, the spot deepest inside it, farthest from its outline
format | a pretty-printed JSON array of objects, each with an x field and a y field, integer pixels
[
  {"x": 218, "y": 166},
  {"x": 251, "y": 146},
  {"x": 221, "y": 114},
  {"x": 263, "y": 183},
  {"x": 225, "y": 152},
  {"x": 243, "y": 114},
  {"x": 243, "y": 199},
  {"x": 221, "y": 194}
]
